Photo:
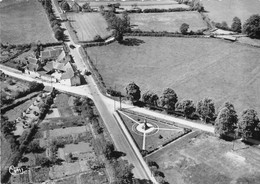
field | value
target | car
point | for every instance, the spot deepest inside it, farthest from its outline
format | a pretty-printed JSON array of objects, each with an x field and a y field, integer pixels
[{"x": 72, "y": 46}]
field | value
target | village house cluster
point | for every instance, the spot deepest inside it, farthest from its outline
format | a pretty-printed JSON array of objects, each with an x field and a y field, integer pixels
[{"x": 53, "y": 65}]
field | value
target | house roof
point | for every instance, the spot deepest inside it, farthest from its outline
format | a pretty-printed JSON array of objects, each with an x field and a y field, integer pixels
[
  {"x": 45, "y": 54},
  {"x": 66, "y": 60},
  {"x": 61, "y": 56},
  {"x": 32, "y": 60},
  {"x": 48, "y": 88},
  {"x": 69, "y": 73},
  {"x": 58, "y": 66},
  {"x": 32, "y": 67},
  {"x": 74, "y": 4},
  {"x": 48, "y": 67}
]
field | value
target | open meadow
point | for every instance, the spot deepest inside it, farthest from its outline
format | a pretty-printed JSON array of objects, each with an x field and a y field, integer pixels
[
  {"x": 226, "y": 10},
  {"x": 170, "y": 22},
  {"x": 194, "y": 67},
  {"x": 200, "y": 158},
  {"x": 88, "y": 25},
  {"x": 24, "y": 22}
]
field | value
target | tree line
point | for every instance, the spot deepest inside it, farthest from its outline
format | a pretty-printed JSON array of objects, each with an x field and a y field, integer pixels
[{"x": 225, "y": 120}]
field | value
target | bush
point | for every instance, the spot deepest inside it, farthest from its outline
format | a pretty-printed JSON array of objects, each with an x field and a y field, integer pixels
[
  {"x": 184, "y": 28},
  {"x": 98, "y": 38},
  {"x": 59, "y": 34}
]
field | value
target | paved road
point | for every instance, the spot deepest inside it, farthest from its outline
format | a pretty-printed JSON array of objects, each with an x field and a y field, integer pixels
[{"x": 106, "y": 111}]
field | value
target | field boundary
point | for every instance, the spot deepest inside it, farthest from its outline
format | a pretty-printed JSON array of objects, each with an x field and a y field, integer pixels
[{"x": 96, "y": 75}]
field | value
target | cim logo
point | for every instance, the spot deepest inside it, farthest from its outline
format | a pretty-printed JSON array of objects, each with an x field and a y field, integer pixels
[{"x": 17, "y": 170}]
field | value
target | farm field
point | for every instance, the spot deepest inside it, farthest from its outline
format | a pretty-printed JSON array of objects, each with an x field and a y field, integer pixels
[
  {"x": 226, "y": 10},
  {"x": 170, "y": 22},
  {"x": 194, "y": 67},
  {"x": 88, "y": 25},
  {"x": 24, "y": 22},
  {"x": 203, "y": 158}
]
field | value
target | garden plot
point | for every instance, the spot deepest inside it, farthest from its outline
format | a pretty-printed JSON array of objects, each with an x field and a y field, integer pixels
[
  {"x": 67, "y": 131},
  {"x": 61, "y": 101},
  {"x": 170, "y": 21}
]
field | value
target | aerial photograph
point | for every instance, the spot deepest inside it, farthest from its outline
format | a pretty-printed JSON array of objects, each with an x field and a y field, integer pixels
[{"x": 130, "y": 91}]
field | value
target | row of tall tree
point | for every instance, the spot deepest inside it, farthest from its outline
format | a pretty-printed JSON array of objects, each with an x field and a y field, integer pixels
[
  {"x": 246, "y": 126},
  {"x": 119, "y": 25},
  {"x": 226, "y": 120},
  {"x": 55, "y": 23},
  {"x": 251, "y": 27}
]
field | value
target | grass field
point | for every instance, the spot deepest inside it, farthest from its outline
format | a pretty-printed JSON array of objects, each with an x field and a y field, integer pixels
[
  {"x": 24, "y": 22},
  {"x": 88, "y": 25},
  {"x": 170, "y": 22},
  {"x": 226, "y": 10},
  {"x": 206, "y": 159},
  {"x": 194, "y": 67}
]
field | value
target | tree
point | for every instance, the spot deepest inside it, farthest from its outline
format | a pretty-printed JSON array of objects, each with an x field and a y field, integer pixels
[
  {"x": 187, "y": 107},
  {"x": 34, "y": 86},
  {"x": 226, "y": 121},
  {"x": 184, "y": 28},
  {"x": 169, "y": 99},
  {"x": 236, "y": 25},
  {"x": 98, "y": 38},
  {"x": 150, "y": 98},
  {"x": 133, "y": 92},
  {"x": 55, "y": 22},
  {"x": 109, "y": 150},
  {"x": 59, "y": 34},
  {"x": 34, "y": 147},
  {"x": 7, "y": 127},
  {"x": 123, "y": 171},
  {"x": 248, "y": 123},
  {"x": 118, "y": 25},
  {"x": 86, "y": 7},
  {"x": 252, "y": 26},
  {"x": 65, "y": 6},
  {"x": 198, "y": 6},
  {"x": 206, "y": 109}
]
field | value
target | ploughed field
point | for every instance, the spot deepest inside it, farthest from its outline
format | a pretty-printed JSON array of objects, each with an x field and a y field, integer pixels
[
  {"x": 24, "y": 22},
  {"x": 88, "y": 25},
  {"x": 170, "y": 22},
  {"x": 194, "y": 67},
  {"x": 226, "y": 10}
]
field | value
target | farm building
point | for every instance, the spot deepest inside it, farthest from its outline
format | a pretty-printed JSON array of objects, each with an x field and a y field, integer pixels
[
  {"x": 64, "y": 72},
  {"x": 74, "y": 6}
]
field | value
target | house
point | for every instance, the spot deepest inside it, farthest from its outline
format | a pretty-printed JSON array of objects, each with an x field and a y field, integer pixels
[
  {"x": 70, "y": 77},
  {"x": 74, "y": 6}
]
